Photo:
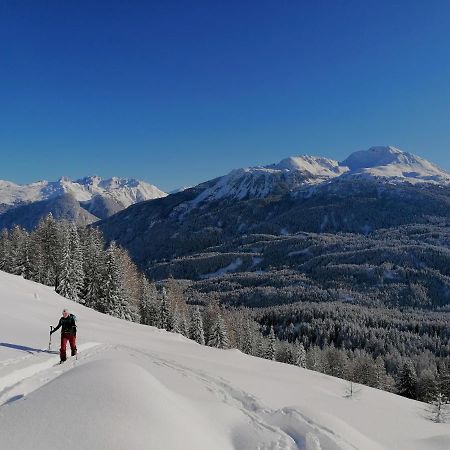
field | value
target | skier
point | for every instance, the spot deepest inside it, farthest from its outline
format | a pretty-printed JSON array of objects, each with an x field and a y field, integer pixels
[{"x": 68, "y": 326}]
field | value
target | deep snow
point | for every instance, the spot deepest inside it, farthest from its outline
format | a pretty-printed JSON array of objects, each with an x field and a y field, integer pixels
[{"x": 136, "y": 387}]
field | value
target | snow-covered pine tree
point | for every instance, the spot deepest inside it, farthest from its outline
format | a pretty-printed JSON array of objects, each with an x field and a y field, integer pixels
[
  {"x": 66, "y": 285},
  {"x": 177, "y": 318},
  {"x": 17, "y": 255},
  {"x": 112, "y": 301},
  {"x": 271, "y": 345},
  {"x": 48, "y": 235},
  {"x": 248, "y": 338},
  {"x": 178, "y": 324},
  {"x": 149, "y": 304},
  {"x": 5, "y": 251},
  {"x": 407, "y": 381},
  {"x": 218, "y": 336},
  {"x": 164, "y": 311},
  {"x": 93, "y": 267},
  {"x": 427, "y": 386},
  {"x": 314, "y": 360},
  {"x": 300, "y": 354},
  {"x": 76, "y": 253},
  {"x": 196, "y": 332},
  {"x": 36, "y": 259}
]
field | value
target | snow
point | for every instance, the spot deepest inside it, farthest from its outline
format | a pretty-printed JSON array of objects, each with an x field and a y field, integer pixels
[
  {"x": 137, "y": 387},
  {"x": 315, "y": 165},
  {"x": 390, "y": 162},
  {"x": 125, "y": 191},
  {"x": 234, "y": 265}
]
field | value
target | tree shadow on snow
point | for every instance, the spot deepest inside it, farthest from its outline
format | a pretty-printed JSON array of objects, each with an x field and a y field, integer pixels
[{"x": 26, "y": 349}]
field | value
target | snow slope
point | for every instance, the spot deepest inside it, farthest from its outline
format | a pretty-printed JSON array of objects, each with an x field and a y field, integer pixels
[
  {"x": 136, "y": 387},
  {"x": 124, "y": 191}
]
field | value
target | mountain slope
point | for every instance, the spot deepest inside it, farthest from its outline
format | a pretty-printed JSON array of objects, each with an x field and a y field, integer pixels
[
  {"x": 138, "y": 387},
  {"x": 64, "y": 207}
]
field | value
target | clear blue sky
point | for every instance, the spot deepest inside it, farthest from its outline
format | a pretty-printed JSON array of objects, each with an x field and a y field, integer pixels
[{"x": 177, "y": 92}]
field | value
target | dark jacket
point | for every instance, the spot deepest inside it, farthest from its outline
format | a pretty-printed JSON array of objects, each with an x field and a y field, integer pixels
[{"x": 67, "y": 325}]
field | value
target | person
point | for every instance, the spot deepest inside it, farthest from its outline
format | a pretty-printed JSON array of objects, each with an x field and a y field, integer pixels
[{"x": 68, "y": 326}]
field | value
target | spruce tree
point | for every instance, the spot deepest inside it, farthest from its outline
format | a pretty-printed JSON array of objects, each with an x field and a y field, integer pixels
[
  {"x": 65, "y": 283},
  {"x": 5, "y": 251},
  {"x": 196, "y": 332},
  {"x": 112, "y": 301},
  {"x": 17, "y": 252},
  {"x": 76, "y": 253},
  {"x": 300, "y": 359},
  {"x": 407, "y": 381},
  {"x": 93, "y": 267},
  {"x": 149, "y": 305},
  {"x": 164, "y": 311},
  {"x": 218, "y": 335},
  {"x": 271, "y": 345}
]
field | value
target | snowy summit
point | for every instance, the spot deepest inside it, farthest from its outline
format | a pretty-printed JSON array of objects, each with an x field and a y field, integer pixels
[{"x": 392, "y": 163}]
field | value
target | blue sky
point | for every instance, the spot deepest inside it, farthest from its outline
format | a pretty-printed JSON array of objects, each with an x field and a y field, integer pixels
[{"x": 177, "y": 92}]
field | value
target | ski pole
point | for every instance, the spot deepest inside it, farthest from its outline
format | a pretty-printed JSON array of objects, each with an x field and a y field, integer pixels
[{"x": 50, "y": 341}]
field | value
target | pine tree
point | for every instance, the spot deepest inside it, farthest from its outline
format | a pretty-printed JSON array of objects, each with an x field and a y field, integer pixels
[
  {"x": 65, "y": 284},
  {"x": 271, "y": 345},
  {"x": 164, "y": 311},
  {"x": 35, "y": 258},
  {"x": 47, "y": 234},
  {"x": 300, "y": 355},
  {"x": 76, "y": 253},
  {"x": 427, "y": 387},
  {"x": 149, "y": 305},
  {"x": 93, "y": 267},
  {"x": 5, "y": 251},
  {"x": 218, "y": 335},
  {"x": 247, "y": 345},
  {"x": 112, "y": 301},
  {"x": 17, "y": 252},
  {"x": 196, "y": 332},
  {"x": 407, "y": 382}
]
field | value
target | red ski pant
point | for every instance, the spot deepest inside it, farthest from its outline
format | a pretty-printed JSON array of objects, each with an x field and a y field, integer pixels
[{"x": 73, "y": 346}]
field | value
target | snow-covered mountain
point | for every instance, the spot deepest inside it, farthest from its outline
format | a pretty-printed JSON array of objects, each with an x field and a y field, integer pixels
[
  {"x": 135, "y": 387},
  {"x": 396, "y": 165},
  {"x": 297, "y": 172},
  {"x": 84, "y": 201},
  {"x": 122, "y": 190},
  {"x": 260, "y": 182}
]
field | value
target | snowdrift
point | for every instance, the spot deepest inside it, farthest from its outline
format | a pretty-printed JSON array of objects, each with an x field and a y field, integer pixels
[{"x": 136, "y": 387}]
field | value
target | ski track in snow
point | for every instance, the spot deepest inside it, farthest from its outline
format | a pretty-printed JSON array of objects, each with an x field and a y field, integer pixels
[{"x": 35, "y": 370}]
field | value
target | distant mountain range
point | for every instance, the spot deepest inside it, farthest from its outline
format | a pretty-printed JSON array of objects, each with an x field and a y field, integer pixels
[
  {"x": 272, "y": 220},
  {"x": 85, "y": 200}
]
